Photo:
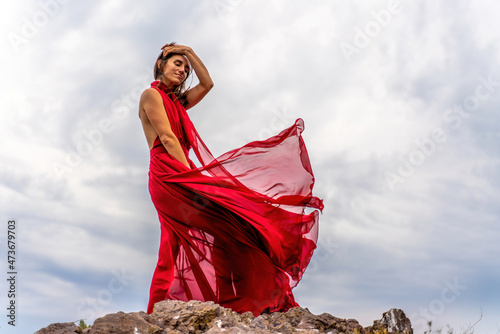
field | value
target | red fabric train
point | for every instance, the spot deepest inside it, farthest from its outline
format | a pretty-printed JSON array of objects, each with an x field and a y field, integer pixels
[{"x": 235, "y": 230}]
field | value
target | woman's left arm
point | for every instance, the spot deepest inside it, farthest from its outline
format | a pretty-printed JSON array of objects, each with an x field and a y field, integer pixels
[{"x": 198, "y": 92}]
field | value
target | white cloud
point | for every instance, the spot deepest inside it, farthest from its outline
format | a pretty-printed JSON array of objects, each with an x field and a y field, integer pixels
[{"x": 271, "y": 62}]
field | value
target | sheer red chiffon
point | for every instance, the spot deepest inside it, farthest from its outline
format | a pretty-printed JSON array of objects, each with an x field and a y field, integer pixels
[{"x": 235, "y": 230}]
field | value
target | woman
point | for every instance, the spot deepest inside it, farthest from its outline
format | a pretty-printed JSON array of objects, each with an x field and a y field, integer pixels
[{"x": 233, "y": 231}]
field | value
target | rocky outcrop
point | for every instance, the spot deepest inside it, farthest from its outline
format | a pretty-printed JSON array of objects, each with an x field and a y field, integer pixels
[{"x": 171, "y": 316}]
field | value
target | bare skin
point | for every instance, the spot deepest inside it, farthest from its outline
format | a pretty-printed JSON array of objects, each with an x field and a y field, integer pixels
[{"x": 151, "y": 110}]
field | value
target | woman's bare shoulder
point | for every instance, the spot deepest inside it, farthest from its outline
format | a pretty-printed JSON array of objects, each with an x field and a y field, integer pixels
[
  {"x": 150, "y": 93},
  {"x": 150, "y": 96}
]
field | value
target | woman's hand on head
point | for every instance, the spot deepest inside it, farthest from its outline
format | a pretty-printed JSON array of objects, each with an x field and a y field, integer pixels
[{"x": 173, "y": 48}]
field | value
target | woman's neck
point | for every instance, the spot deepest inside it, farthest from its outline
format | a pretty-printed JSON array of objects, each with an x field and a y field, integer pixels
[{"x": 165, "y": 87}]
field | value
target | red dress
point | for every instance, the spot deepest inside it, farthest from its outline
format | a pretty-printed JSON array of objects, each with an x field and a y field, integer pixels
[{"x": 235, "y": 230}]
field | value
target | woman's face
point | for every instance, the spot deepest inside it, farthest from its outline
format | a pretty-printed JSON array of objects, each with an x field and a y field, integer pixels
[{"x": 175, "y": 70}]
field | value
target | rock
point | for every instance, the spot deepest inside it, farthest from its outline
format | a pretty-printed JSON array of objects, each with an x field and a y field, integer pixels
[
  {"x": 393, "y": 321},
  {"x": 60, "y": 328},
  {"x": 124, "y": 323},
  {"x": 177, "y": 317}
]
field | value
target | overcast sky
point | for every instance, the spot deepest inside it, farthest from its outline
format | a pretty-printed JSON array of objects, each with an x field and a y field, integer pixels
[{"x": 400, "y": 103}]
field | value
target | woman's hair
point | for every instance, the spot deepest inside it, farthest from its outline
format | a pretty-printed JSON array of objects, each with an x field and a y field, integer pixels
[{"x": 180, "y": 90}]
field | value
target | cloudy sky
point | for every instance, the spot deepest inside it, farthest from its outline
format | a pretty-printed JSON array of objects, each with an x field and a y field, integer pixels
[{"x": 400, "y": 102}]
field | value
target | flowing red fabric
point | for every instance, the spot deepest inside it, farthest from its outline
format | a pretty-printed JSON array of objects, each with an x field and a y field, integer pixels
[{"x": 235, "y": 230}]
